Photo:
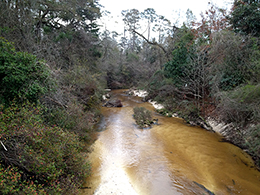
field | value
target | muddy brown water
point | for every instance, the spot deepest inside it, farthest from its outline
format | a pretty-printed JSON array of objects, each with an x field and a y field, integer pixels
[{"x": 169, "y": 158}]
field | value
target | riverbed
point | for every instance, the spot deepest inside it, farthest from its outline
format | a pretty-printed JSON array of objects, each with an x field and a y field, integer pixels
[{"x": 169, "y": 158}]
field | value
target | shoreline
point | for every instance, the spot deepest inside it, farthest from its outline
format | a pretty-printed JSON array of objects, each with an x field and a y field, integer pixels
[
  {"x": 215, "y": 125},
  {"x": 210, "y": 124}
]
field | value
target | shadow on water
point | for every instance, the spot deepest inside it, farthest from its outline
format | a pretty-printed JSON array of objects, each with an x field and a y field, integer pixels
[{"x": 101, "y": 125}]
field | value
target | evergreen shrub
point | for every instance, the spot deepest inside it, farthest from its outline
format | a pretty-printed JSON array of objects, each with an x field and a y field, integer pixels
[
  {"x": 39, "y": 159},
  {"x": 22, "y": 75}
]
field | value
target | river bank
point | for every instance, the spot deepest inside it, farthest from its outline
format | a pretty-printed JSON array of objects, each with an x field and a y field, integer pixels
[{"x": 229, "y": 132}]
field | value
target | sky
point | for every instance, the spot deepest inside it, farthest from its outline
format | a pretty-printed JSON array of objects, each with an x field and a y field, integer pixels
[{"x": 171, "y": 9}]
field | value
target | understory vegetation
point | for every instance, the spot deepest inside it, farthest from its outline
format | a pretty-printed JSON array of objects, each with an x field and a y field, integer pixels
[
  {"x": 42, "y": 152},
  {"x": 50, "y": 92},
  {"x": 39, "y": 159}
]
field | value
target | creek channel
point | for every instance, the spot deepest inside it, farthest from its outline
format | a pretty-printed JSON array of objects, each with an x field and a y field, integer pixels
[{"x": 169, "y": 158}]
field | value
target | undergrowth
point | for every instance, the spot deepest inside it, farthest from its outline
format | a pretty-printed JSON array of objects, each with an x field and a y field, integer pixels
[{"x": 37, "y": 158}]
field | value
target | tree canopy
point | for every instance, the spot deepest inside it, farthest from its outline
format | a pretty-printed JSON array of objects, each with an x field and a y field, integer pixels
[{"x": 245, "y": 16}]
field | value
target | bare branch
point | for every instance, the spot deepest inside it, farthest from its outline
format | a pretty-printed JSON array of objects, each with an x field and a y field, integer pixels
[
  {"x": 3, "y": 146},
  {"x": 152, "y": 43}
]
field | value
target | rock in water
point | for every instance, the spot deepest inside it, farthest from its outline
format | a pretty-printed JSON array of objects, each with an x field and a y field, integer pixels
[{"x": 113, "y": 103}]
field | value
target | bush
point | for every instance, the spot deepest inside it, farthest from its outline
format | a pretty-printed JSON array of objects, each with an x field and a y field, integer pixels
[
  {"x": 74, "y": 119},
  {"x": 40, "y": 158},
  {"x": 142, "y": 116},
  {"x": 241, "y": 106},
  {"x": 11, "y": 183},
  {"x": 252, "y": 142},
  {"x": 21, "y": 75},
  {"x": 85, "y": 85}
]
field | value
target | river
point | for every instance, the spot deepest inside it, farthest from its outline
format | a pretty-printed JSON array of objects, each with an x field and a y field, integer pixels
[{"x": 170, "y": 158}]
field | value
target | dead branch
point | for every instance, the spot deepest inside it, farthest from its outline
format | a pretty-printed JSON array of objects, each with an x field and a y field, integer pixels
[
  {"x": 152, "y": 43},
  {"x": 60, "y": 104},
  {"x": 3, "y": 146}
]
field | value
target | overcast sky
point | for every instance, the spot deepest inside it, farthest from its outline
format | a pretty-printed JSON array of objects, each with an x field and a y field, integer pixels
[{"x": 168, "y": 8}]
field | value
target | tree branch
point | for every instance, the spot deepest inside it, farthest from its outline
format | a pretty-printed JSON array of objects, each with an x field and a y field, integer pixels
[
  {"x": 152, "y": 43},
  {"x": 3, "y": 145}
]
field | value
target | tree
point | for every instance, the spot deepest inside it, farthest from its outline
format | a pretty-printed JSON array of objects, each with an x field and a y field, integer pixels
[
  {"x": 131, "y": 20},
  {"x": 28, "y": 23},
  {"x": 236, "y": 60},
  {"x": 190, "y": 18},
  {"x": 175, "y": 69},
  {"x": 245, "y": 16},
  {"x": 64, "y": 34},
  {"x": 214, "y": 20},
  {"x": 163, "y": 26},
  {"x": 151, "y": 17}
]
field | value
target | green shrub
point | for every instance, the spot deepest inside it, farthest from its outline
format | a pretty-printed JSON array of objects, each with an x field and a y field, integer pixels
[
  {"x": 237, "y": 63},
  {"x": 241, "y": 105},
  {"x": 87, "y": 86},
  {"x": 74, "y": 119},
  {"x": 11, "y": 183},
  {"x": 22, "y": 76},
  {"x": 142, "y": 116},
  {"x": 246, "y": 94},
  {"x": 47, "y": 157}
]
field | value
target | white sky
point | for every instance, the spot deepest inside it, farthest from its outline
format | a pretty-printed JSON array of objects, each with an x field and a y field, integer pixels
[{"x": 167, "y": 8}]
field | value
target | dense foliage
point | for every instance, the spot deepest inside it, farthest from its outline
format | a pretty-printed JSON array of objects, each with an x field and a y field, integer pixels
[
  {"x": 245, "y": 16},
  {"x": 177, "y": 69},
  {"x": 22, "y": 75},
  {"x": 51, "y": 86},
  {"x": 38, "y": 159}
]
